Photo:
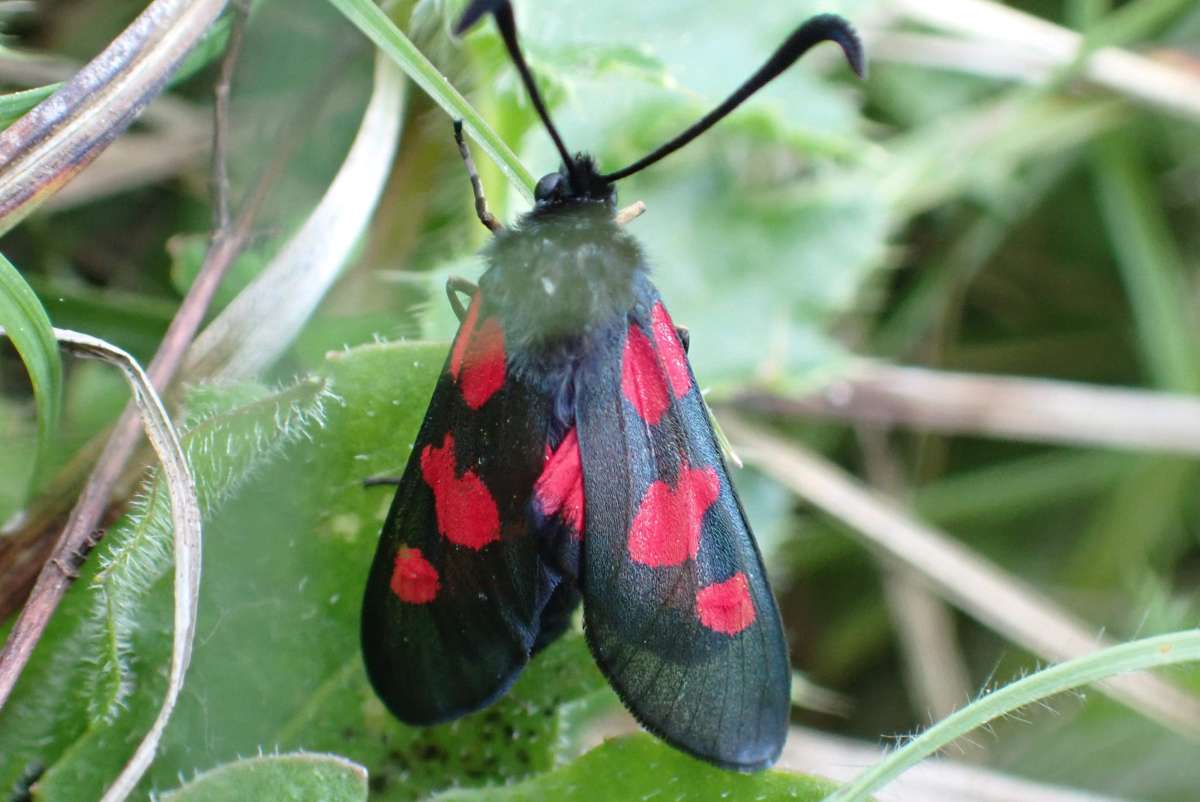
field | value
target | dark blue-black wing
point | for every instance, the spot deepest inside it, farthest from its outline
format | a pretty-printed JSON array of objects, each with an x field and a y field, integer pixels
[
  {"x": 677, "y": 609},
  {"x": 456, "y": 591}
]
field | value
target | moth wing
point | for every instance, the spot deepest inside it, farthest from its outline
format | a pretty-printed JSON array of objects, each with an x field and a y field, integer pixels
[
  {"x": 677, "y": 610},
  {"x": 456, "y": 589}
]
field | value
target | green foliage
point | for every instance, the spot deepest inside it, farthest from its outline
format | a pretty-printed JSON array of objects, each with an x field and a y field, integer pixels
[
  {"x": 231, "y": 432},
  {"x": 27, "y": 326},
  {"x": 639, "y": 767},
  {"x": 283, "y": 778}
]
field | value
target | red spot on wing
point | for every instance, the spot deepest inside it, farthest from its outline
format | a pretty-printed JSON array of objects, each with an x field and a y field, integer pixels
[
  {"x": 559, "y": 490},
  {"x": 653, "y": 372},
  {"x": 666, "y": 529},
  {"x": 642, "y": 379},
  {"x": 414, "y": 579},
  {"x": 477, "y": 361},
  {"x": 670, "y": 351},
  {"x": 465, "y": 332},
  {"x": 466, "y": 512},
  {"x": 726, "y": 607}
]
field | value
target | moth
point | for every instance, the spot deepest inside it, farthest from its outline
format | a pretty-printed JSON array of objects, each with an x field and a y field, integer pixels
[{"x": 567, "y": 456}]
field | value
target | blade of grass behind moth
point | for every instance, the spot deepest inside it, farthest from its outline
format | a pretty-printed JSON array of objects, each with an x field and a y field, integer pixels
[
  {"x": 974, "y": 585},
  {"x": 28, "y": 326},
  {"x": 50, "y": 145},
  {"x": 376, "y": 25},
  {"x": 185, "y": 516},
  {"x": 1150, "y": 263},
  {"x": 255, "y": 329},
  {"x": 1164, "y": 650}
]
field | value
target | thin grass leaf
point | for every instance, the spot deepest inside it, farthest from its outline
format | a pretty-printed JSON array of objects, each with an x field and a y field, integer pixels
[
  {"x": 1150, "y": 262},
  {"x": 28, "y": 326},
  {"x": 373, "y": 22},
  {"x": 1164, "y": 650},
  {"x": 1134, "y": 21},
  {"x": 14, "y": 104}
]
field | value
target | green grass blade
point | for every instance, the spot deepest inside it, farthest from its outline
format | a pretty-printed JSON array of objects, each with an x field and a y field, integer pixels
[
  {"x": 1150, "y": 263},
  {"x": 14, "y": 104},
  {"x": 373, "y": 22},
  {"x": 28, "y": 326},
  {"x": 1163, "y": 650}
]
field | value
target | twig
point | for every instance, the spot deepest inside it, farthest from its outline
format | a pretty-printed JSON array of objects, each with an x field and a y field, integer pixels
[
  {"x": 974, "y": 585},
  {"x": 176, "y": 136},
  {"x": 1038, "y": 410},
  {"x": 60, "y": 136},
  {"x": 220, "y": 170},
  {"x": 80, "y": 528}
]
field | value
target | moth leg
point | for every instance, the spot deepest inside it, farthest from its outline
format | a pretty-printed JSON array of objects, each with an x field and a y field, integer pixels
[
  {"x": 377, "y": 481},
  {"x": 454, "y": 286},
  {"x": 481, "y": 208},
  {"x": 684, "y": 336}
]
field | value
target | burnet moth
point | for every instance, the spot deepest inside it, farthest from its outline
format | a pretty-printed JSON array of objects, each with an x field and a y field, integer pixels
[{"x": 567, "y": 455}]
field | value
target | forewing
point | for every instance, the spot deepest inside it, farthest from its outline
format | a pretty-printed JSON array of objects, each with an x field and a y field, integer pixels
[
  {"x": 677, "y": 609},
  {"x": 456, "y": 589}
]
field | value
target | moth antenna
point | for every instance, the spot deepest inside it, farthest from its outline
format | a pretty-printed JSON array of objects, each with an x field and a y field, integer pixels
[
  {"x": 506, "y": 22},
  {"x": 822, "y": 28}
]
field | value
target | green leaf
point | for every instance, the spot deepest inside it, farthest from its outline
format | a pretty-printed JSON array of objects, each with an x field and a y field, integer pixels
[
  {"x": 640, "y": 767},
  {"x": 28, "y": 326},
  {"x": 373, "y": 22},
  {"x": 232, "y": 431},
  {"x": 299, "y": 777},
  {"x": 276, "y": 662}
]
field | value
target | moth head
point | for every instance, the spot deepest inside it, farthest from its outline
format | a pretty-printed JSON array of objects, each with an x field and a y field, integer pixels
[{"x": 576, "y": 182}]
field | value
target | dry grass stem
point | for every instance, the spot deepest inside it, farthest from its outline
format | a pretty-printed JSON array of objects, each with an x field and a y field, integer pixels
[
  {"x": 1000, "y": 601},
  {"x": 1037, "y": 410},
  {"x": 1030, "y": 39}
]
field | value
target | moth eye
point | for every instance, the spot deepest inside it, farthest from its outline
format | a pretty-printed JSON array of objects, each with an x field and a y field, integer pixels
[{"x": 550, "y": 187}]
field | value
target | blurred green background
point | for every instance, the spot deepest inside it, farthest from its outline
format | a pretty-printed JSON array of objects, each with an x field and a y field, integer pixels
[{"x": 989, "y": 200}]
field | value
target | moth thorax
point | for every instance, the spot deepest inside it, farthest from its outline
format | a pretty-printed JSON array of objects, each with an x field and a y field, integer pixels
[{"x": 561, "y": 272}]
